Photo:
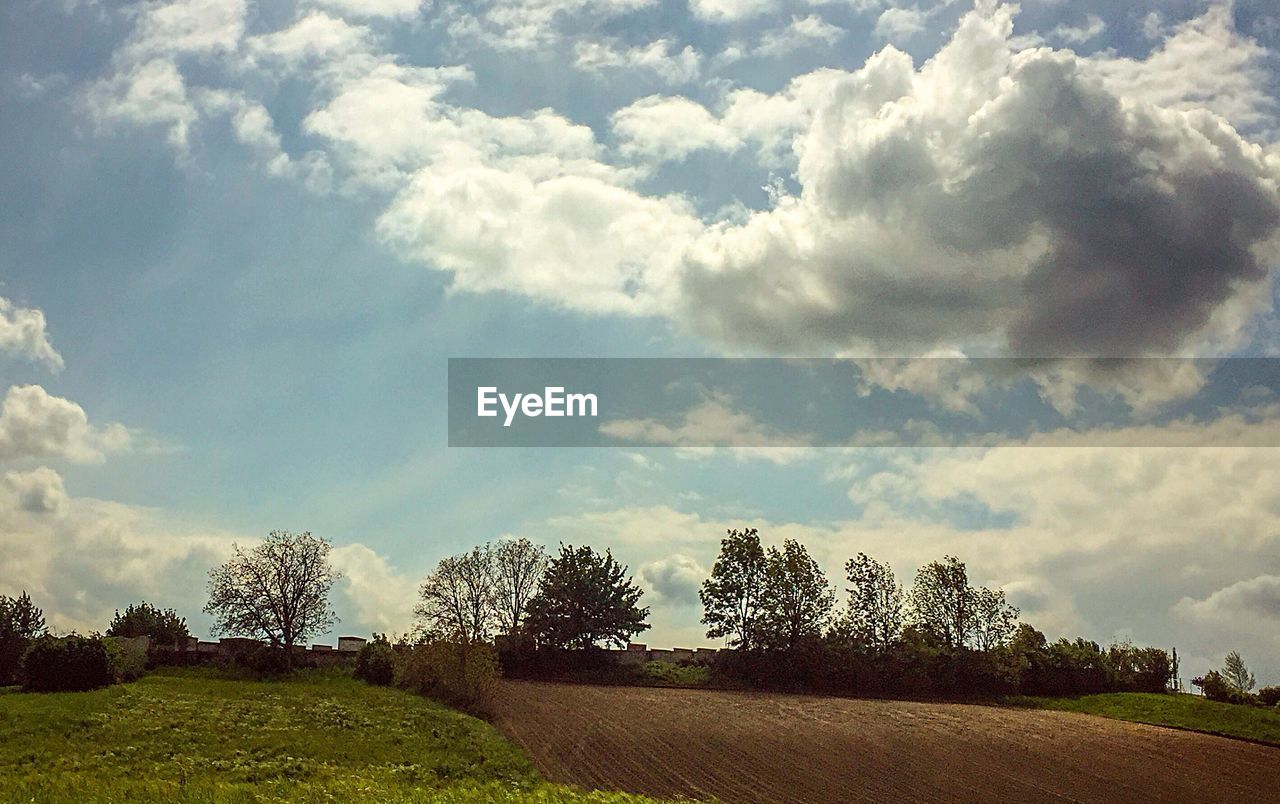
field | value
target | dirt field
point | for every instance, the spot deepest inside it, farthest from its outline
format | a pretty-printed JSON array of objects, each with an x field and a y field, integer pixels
[{"x": 755, "y": 747}]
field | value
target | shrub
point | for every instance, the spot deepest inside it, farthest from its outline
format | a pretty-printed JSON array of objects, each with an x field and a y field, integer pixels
[
  {"x": 74, "y": 662},
  {"x": 164, "y": 626},
  {"x": 1270, "y": 696},
  {"x": 677, "y": 675},
  {"x": 375, "y": 663},
  {"x": 256, "y": 659},
  {"x": 21, "y": 621},
  {"x": 462, "y": 674},
  {"x": 1216, "y": 688},
  {"x": 126, "y": 659}
]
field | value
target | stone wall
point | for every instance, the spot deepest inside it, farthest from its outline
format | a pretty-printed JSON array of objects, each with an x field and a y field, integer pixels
[{"x": 196, "y": 651}]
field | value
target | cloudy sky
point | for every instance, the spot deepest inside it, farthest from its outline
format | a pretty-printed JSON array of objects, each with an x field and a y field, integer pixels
[{"x": 240, "y": 239}]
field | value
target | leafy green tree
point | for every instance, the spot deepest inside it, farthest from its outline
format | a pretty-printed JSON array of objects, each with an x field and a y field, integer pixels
[
  {"x": 796, "y": 599},
  {"x": 1236, "y": 674},
  {"x": 375, "y": 663},
  {"x": 942, "y": 601},
  {"x": 164, "y": 626},
  {"x": 585, "y": 598},
  {"x": 994, "y": 620},
  {"x": 731, "y": 597},
  {"x": 278, "y": 591},
  {"x": 874, "y": 613},
  {"x": 21, "y": 622}
]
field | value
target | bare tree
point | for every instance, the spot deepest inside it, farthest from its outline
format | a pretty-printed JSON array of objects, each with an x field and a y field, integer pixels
[
  {"x": 458, "y": 599},
  {"x": 278, "y": 591},
  {"x": 518, "y": 567}
]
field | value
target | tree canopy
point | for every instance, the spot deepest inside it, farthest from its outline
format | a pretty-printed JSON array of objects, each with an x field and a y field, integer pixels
[
  {"x": 731, "y": 597},
  {"x": 796, "y": 598},
  {"x": 21, "y": 621},
  {"x": 874, "y": 613},
  {"x": 163, "y": 626},
  {"x": 277, "y": 591},
  {"x": 585, "y": 598}
]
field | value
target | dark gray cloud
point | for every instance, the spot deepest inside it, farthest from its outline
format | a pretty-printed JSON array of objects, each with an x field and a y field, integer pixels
[{"x": 1028, "y": 198}]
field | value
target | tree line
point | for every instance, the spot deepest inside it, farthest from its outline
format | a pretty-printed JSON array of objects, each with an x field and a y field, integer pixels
[
  {"x": 777, "y": 611},
  {"x": 773, "y": 607}
]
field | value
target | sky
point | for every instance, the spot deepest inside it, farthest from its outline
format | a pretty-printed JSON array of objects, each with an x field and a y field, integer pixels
[{"x": 240, "y": 241}]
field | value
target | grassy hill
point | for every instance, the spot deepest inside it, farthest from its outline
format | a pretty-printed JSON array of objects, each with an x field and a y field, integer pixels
[
  {"x": 1178, "y": 711},
  {"x": 193, "y": 736}
]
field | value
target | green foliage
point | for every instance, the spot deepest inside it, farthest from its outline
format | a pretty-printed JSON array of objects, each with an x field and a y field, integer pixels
[
  {"x": 796, "y": 599},
  {"x": 461, "y": 674},
  {"x": 1269, "y": 696},
  {"x": 585, "y": 598},
  {"x": 1236, "y": 674},
  {"x": 1172, "y": 709},
  {"x": 731, "y": 597},
  {"x": 376, "y": 661},
  {"x": 994, "y": 620},
  {"x": 187, "y": 736},
  {"x": 126, "y": 660},
  {"x": 163, "y": 626},
  {"x": 1216, "y": 688},
  {"x": 20, "y": 623},
  {"x": 874, "y": 614},
  {"x": 70, "y": 663},
  {"x": 676, "y": 675}
]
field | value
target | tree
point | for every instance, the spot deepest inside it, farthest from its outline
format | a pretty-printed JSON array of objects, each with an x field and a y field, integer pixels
[
  {"x": 585, "y": 598},
  {"x": 796, "y": 598},
  {"x": 518, "y": 564},
  {"x": 163, "y": 626},
  {"x": 458, "y": 599},
  {"x": 21, "y": 622},
  {"x": 278, "y": 591},
  {"x": 874, "y": 615},
  {"x": 1236, "y": 674},
  {"x": 994, "y": 620},
  {"x": 942, "y": 601},
  {"x": 731, "y": 596}
]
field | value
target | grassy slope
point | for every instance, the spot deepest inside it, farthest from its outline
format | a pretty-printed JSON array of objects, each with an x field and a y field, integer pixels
[
  {"x": 1180, "y": 711},
  {"x": 191, "y": 736}
]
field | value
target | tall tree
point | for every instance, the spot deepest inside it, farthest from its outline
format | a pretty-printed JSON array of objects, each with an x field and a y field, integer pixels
[
  {"x": 457, "y": 601},
  {"x": 994, "y": 619},
  {"x": 942, "y": 601},
  {"x": 796, "y": 599},
  {"x": 518, "y": 564},
  {"x": 278, "y": 591},
  {"x": 731, "y": 596},
  {"x": 585, "y": 598},
  {"x": 163, "y": 626},
  {"x": 874, "y": 615},
  {"x": 21, "y": 622},
  {"x": 1236, "y": 674}
]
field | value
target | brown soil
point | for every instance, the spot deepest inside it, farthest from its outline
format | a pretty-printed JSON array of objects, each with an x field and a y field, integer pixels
[{"x": 761, "y": 747}]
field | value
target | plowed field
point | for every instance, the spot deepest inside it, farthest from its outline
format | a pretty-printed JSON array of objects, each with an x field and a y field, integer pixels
[{"x": 760, "y": 747}]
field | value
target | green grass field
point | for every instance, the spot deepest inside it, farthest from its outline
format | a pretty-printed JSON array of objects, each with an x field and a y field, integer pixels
[
  {"x": 188, "y": 735},
  {"x": 1179, "y": 711}
]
